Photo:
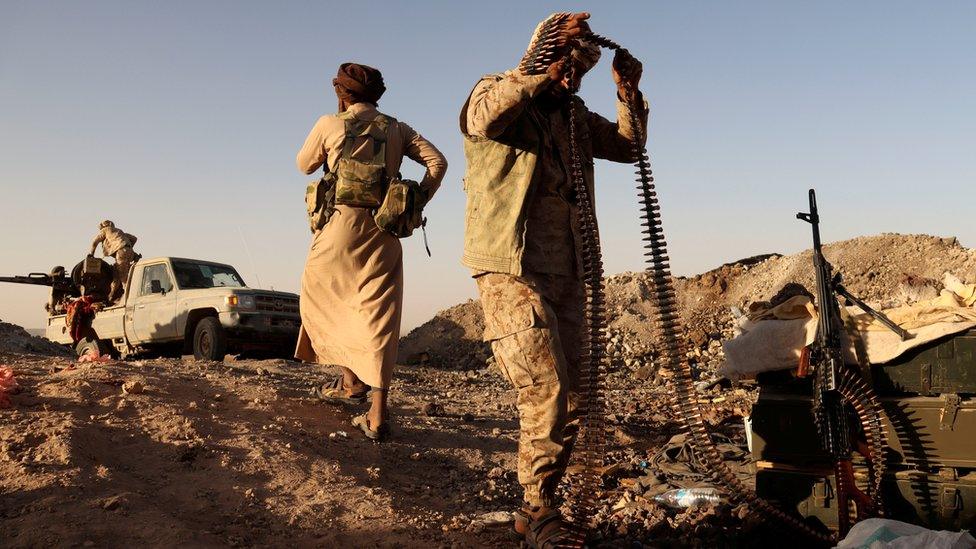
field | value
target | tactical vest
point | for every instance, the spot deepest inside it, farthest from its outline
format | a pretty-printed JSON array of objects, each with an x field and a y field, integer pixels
[
  {"x": 360, "y": 183},
  {"x": 499, "y": 182}
]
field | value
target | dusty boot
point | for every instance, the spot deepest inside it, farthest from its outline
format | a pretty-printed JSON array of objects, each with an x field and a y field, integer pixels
[{"x": 544, "y": 528}]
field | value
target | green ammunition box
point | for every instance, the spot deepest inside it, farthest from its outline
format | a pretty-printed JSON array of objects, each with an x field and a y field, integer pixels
[
  {"x": 947, "y": 365},
  {"x": 924, "y": 432},
  {"x": 929, "y": 398},
  {"x": 939, "y": 501}
]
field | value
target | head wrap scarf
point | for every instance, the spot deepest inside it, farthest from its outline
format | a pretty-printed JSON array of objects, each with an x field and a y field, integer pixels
[{"x": 355, "y": 83}]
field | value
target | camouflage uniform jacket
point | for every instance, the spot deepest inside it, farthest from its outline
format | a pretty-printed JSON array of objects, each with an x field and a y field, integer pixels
[
  {"x": 520, "y": 213},
  {"x": 112, "y": 240}
]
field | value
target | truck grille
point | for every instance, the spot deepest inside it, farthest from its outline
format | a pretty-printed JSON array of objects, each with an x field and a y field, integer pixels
[{"x": 276, "y": 304}]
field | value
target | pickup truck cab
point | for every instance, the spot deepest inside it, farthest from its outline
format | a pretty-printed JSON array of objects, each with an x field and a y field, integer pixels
[{"x": 174, "y": 306}]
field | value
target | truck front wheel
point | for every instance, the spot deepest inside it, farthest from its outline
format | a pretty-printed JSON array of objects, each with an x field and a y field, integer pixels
[{"x": 209, "y": 340}]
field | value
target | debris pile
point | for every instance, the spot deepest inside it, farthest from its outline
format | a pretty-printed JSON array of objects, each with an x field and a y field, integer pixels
[
  {"x": 14, "y": 339},
  {"x": 885, "y": 268}
]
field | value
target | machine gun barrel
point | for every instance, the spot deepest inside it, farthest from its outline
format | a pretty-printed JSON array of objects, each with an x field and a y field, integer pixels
[
  {"x": 37, "y": 279},
  {"x": 61, "y": 283}
]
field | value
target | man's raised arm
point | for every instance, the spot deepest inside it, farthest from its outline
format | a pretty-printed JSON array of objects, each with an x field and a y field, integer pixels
[
  {"x": 614, "y": 141},
  {"x": 497, "y": 100}
]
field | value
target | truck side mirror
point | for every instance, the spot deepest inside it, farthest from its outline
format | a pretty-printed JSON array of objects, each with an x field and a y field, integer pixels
[{"x": 156, "y": 287}]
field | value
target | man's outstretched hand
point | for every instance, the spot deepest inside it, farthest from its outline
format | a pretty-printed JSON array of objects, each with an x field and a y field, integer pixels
[
  {"x": 574, "y": 27},
  {"x": 626, "y": 74}
]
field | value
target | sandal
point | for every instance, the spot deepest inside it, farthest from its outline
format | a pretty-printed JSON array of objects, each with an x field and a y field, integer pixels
[
  {"x": 548, "y": 531},
  {"x": 379, "y": 434},
  {"x": 334, "y": 393}
]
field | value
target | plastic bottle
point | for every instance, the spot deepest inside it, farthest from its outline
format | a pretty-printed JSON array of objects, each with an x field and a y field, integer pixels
[{"x": 684, "y": 498}]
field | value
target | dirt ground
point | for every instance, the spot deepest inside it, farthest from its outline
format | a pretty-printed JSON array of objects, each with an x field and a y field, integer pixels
[
  {"x": 167, "y": 452},
  {"x": 211, "y": 454},
  {"x": 238, "y": 454}
]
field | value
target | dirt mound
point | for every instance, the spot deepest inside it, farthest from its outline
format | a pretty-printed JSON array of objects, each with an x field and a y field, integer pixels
[
  {"x": 14, "y": 339},
  {"x": 452, "y": 339}
]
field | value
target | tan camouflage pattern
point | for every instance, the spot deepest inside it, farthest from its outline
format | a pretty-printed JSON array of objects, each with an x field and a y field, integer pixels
[
  {"x": 320, "y": 201},
  {"x": 361, "y": 174},
  {"x": 534, "y": 324},
  {"x": 112, "y": 240},
  {"x": 326, "y": 141},
  {"x": 501, "y": 121},
  {"x": 124, "y": 257},
  {"x": 118, "y": 244},
  {"x": 402, "y": 208},
  {"x": 359, "y": 184}
]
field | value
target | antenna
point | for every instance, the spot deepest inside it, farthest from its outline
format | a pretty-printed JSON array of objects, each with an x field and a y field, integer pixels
[{"x": 250, "y": 258}]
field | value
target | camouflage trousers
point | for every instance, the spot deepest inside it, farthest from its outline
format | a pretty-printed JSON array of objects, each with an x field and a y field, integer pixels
[
  {"x": 124, "y": 257},
  {"x": 534, "y": 324}
]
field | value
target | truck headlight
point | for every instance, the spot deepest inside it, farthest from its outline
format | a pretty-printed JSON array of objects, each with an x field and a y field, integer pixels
[{"x": 240, "y": 301}]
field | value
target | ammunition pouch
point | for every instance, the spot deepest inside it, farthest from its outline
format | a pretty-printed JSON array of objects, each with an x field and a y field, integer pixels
[
  {"x": 320, "y": 201},
  {"x": 402, "y": 209},
  {"x": 362, "y": 183}
]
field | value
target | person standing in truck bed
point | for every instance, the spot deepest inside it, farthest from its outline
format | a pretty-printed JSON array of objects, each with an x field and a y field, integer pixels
[
  {"x": 352, "y": 286},
  {"x": 117, "y": 244}
]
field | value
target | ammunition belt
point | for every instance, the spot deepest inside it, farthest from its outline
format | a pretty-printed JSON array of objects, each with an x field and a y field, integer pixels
[
  {"x": 870, "y": 414},
  {"x": 590, "y": 447},
  {"x": 591, "y": 444},
  {"x": 671, "y": 343}
]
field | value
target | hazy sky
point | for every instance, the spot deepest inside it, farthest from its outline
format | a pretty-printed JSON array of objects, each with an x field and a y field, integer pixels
[{"x": 181, "y": 120}]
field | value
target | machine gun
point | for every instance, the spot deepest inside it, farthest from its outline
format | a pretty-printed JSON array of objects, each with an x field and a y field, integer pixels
[
  {"x": 840, "y": 390},
  {"x": 57, "y": 280},
  {"x": 62, "y": 286}
]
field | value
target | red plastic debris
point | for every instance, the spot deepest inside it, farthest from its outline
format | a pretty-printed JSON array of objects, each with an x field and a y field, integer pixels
[
  {"x": 93, "y": 356},
  {"x": 7, "y": 386}
]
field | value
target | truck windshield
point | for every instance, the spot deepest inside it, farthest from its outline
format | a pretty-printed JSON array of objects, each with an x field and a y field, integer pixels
[{"x": 203, "y": 275}]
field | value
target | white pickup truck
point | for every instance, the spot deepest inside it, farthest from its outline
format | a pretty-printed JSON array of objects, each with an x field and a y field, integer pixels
[{"x": 174, "y": 306}]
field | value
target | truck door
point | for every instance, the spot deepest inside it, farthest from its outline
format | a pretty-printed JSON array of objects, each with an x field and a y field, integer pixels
[{"x": 152, "y": 317}]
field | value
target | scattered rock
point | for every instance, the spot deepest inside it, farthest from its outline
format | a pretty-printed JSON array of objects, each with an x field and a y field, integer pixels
[
  {"x": 494, "y": 518},
  {"x": 434, "y": 409},
  {"x": 112, "y": 503}
]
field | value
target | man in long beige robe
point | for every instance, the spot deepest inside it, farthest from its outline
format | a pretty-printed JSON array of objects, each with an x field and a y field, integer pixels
[{"x": 352, "y": 285}]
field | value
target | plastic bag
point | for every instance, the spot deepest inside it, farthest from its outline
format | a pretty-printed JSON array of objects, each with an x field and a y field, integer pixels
[{"x": 880, "y": 533}]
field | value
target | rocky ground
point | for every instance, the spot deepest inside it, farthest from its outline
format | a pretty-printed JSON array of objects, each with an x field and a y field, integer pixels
[{"x": 167, "y": 452}]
